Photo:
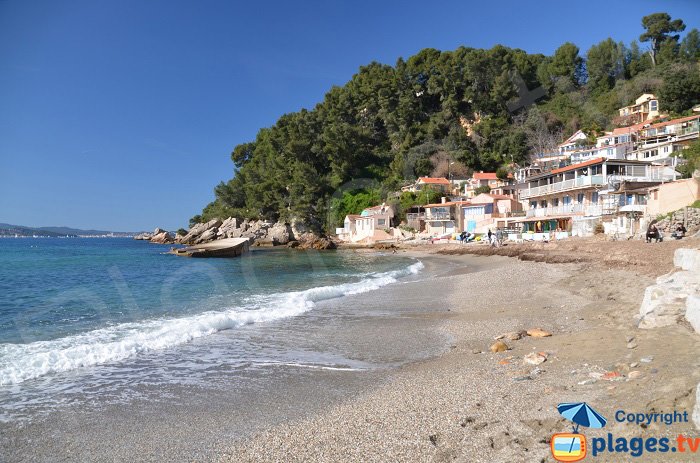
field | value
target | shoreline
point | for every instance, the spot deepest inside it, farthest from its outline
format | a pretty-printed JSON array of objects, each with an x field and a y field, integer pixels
[
  {"x": 469, "y": 406},
  {"x": 455, "y": 401}
]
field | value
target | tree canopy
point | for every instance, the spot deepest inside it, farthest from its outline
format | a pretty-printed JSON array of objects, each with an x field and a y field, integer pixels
[{"x": 482, "y": 109}]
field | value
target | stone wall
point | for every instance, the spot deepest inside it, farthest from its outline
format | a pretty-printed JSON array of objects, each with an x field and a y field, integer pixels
[{"x": 690, "y": 216}]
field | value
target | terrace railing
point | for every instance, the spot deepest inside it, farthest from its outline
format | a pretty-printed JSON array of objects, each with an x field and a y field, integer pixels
[{"x": 566, "y": 185}]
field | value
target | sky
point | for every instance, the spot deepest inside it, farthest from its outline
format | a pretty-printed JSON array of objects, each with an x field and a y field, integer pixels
[{"x": 121, "y": 115}]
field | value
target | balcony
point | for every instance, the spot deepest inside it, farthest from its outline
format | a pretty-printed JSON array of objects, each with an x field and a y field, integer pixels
[
  {"x": 414, "y": 217},
  {"x": 566, "y": 185},
  {"x": 568, "y": 209},
  {"x": 439, "y": 216}
]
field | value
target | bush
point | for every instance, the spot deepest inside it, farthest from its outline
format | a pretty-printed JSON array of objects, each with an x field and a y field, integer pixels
[{"x": 599, "y": 228}]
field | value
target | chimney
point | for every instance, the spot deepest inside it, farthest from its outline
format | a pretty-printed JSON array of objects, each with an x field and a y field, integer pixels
[{"x": 443, "y": 200}]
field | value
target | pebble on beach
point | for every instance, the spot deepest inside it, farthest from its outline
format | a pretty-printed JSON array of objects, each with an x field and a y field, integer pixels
[
  {"x": 538, "y": 333},
  {"x": 499, "y": 346}
]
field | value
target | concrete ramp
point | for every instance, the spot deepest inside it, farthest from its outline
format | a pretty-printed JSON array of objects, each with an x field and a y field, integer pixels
[{"x": 229, "y": 247}]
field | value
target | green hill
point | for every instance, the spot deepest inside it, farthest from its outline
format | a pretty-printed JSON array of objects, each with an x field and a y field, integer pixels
[{"x": 390, "y": 124}]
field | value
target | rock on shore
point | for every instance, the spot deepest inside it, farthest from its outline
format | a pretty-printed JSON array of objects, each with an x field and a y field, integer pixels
[
  {"x": 158, "y": 236},
  {"x": 676, "y": 296},
  {"x": 259, "y": 232}
]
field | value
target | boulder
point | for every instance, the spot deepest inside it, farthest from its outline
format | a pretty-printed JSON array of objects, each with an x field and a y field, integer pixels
[
  {"x": 674, "y": 294},
  {"x": 192, "y": 237},
  {"x": 692, "y": 311},
  {"x": 319, "y": 243},
  {"x": 208, "y": 235},
  {"x": 280, "y": 233},
  {"x": 661, "y": 306},
  {"x": 687, "y": 259},
  {"x": 162, "y": 237},
  {"x": 143, "y": 236},
  {"x": 227, "y": 228}
]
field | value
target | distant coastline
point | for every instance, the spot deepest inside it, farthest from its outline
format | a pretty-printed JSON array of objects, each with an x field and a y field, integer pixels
[{"x": 21, "y": 231}]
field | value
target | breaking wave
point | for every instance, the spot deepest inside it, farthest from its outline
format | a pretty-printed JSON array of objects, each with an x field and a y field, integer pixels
[{"x": 21, "y": 362}]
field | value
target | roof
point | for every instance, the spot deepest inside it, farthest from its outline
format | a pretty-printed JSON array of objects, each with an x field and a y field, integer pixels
[
  {"x": 374, "y": 207},
  {"x": 573, "y": 138},
  {"x": 353, "y": 216},
  {"x": 577, "y": 166},
  {"x": 674, "y": 121},
  {"x": 485, "y": 176},
  {"x": 440, "y": 180},
  {"x": 449, "y": 203}
]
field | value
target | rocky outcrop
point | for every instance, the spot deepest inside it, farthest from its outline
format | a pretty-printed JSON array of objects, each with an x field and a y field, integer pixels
[
  {"x": 259, "y": 232},
  {"x": 668, "y": 301},
  {"x": 159, "y": 236},
  {"x": 198, "y": 229}
]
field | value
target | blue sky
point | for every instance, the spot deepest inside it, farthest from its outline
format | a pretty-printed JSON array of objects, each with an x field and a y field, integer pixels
[{"x": 121, "y": 115}]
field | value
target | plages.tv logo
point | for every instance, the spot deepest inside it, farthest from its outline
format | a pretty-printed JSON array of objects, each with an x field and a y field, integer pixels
[{"x": 572, "y": 446}]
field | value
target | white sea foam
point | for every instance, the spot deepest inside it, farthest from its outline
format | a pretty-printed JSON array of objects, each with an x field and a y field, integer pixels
[{"x": 20, "y": 362}]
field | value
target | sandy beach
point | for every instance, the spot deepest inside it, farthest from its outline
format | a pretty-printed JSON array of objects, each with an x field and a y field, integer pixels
[{"x": 470, "y": 404}]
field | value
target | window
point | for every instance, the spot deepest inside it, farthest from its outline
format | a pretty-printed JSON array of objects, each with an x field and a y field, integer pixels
[
  {"x": 579, "y": 198},
  {"x": 653, "y": 105},
  {"x": 555, "y": 202},
  {"x": 567, "y": 200},
  {"x": 594, "y": 197},
  {"x": 381, "y": 222}
]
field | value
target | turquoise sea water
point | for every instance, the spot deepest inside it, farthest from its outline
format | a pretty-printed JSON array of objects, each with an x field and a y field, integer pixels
[{"x": 105, "y": 308}]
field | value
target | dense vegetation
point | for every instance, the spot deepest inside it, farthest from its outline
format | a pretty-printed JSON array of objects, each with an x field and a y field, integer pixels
[{"x": 390, "y": 124}]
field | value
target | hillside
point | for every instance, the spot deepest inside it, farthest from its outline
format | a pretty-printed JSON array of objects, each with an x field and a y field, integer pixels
[{"x": 481, "y": 109}]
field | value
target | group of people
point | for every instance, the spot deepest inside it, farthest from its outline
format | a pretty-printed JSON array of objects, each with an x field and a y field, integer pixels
[
  {"x": 466, "y": 237},
  {"x": 654, "y": 234},
  {"x": 495, "y": 239}
]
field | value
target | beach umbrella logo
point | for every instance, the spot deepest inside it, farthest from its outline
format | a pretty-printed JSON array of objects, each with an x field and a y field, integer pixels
[{"x": 572, "y": 446}]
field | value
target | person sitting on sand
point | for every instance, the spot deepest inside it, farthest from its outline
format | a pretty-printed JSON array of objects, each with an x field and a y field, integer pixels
[{"x": 680, "y": 231}]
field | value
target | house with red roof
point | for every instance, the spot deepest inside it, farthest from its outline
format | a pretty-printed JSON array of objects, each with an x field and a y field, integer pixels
[
  {"x": 589, "y": 191},
  {"x": 659, "y": 141}
]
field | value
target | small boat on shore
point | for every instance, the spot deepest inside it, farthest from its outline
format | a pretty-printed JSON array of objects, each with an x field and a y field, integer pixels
[{"x": 229, "y": 247}]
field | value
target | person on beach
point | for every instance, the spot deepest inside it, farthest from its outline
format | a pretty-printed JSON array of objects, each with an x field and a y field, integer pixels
[
  {"x": 499, "y": 236},
  {"x": 680, "y": 231},
  {"x": 463, "y": 237},
  {"x": 489, "y": 234},
  {"x": 651, "y": 232}
]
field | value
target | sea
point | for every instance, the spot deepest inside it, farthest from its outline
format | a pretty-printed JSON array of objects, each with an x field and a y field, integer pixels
[{"x": 90, "y": 325}]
